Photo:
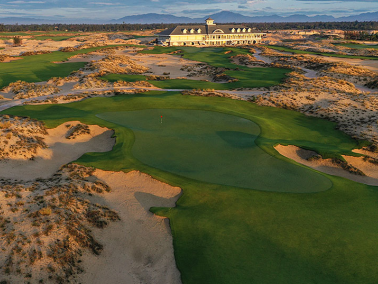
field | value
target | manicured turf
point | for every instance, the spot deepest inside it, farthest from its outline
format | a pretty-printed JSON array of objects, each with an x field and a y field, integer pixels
[
  {"x": 37, "y": 68},
  {"x": 212, "y": 147},
  {"x": 252, "y": 78},
  {"x": 217, "y": 57},
  {"x": 167, "y": 84},
  {"x": 357, "y": 46},
  {"x": 225, "y": 234},
  {"x": 55, "y": 38},
  {"x": 296, "y": 51}
]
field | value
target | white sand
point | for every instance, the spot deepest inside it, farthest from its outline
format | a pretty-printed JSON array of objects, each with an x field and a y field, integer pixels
[
  {"x": 137, "y": 249},
  {"x": 326, "y": 166},
  {"x": 60, "y": 151}
]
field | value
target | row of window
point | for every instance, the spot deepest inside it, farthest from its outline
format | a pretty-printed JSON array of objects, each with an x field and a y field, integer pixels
[
  {"x": 191, "y": 31},
  {"x": 239, "y": 30},
  {"x": 233, "y": 36}
]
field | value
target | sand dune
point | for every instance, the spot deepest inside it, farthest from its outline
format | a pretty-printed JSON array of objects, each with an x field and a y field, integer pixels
[
  {"x": 326, "y": 166},
  {"x": 138, "y": 249},
  {"x": 60, "y": 151}
]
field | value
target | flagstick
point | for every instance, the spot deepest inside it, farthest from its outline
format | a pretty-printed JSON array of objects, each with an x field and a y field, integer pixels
[{"x": 161, "y": 119}]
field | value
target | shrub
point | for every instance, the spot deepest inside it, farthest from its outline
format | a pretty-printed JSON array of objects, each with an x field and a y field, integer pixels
[
  {"x": 45, "y": 211},
  {"x": 17, "y": 41}
]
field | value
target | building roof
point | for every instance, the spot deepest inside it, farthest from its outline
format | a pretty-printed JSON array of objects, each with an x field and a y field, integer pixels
[
  {"x": 206, "y": 30},
  {"x": 209, "y": 19}
]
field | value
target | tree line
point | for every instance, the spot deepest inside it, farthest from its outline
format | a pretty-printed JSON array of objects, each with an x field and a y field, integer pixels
[
  {"x": 346, "y": 26},
  {"x": 361, "y": 35}
]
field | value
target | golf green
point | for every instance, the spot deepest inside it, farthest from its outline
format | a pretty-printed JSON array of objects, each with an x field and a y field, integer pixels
[{"x": 212, "y": 147}]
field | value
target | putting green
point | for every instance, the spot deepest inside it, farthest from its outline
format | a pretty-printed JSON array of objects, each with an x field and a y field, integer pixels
[{"x": 212, "y": 147}]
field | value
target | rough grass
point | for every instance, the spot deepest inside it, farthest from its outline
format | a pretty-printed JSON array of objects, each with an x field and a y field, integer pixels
[
  {"x": 296, "y": 51},
  {"x": 224, "y": 234}
]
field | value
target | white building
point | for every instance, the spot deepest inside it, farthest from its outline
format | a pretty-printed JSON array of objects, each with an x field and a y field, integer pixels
[{"x": 209, "y": 34}]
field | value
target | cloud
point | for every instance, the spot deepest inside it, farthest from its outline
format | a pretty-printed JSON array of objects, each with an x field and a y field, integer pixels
[
  {"x": 26, "y": 2},
  {"x": 204, "y": 11},
  {"x": 104, "y": 3},
  {"x": 111, "y": 9},
  {"x": 335, "y": 1}
]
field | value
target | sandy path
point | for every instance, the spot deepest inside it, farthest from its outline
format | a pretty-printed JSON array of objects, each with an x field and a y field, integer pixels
[
  {"x": 60, "y": 151},
  {"x": 137, "y": 249},
  {"x": 326, "y": 166}
]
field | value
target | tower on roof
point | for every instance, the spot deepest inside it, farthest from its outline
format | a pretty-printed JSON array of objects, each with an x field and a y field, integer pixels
[{"x": 210, "y": 22}]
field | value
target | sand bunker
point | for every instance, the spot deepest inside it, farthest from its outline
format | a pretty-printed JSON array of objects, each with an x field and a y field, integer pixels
[
  {"x": 165, "y": 64},
  {"x": 326, "y": 166},
  {"x": 137, "y": 249},
  {"x": 60, "y": 151}
]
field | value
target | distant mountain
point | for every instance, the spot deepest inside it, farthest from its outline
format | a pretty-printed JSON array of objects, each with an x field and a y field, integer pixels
[
  {"x": 361, "y": 17},
  {"x": 231, "y": 17},
  {"x": 153, "y": 18},
  {"x": 221, "y": 17}
]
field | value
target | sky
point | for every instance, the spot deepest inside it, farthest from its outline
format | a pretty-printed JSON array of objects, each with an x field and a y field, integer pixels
[{"x": 106, "y": 9}]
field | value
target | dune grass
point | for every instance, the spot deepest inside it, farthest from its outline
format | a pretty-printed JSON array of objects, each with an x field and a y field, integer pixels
[
  {"x": 329, "y": 54},
  {"x": 37, "y": 68},
  {"x": 225, "y": 234}
]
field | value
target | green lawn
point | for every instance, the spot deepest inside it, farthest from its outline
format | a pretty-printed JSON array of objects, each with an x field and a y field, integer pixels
[
  {"x": 254, "y": 78},
  {"x": 224, "y": 234},
  {"x": 358, "y": 46},
  {"x": 217, "y": 57},
  {"x": 37, "y": 68},
  {"x": 17, "y": 34},
  {"x": 296, "y": 51},
  {"x": 219, "y": 149},
  {"x": 55, "y": 38}
]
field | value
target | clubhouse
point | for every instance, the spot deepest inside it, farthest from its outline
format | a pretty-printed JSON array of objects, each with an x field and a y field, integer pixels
[{"x": 209, "y": 34}]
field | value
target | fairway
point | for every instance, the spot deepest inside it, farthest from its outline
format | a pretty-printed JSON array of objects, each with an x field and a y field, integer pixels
[
  {"x": 246, "y": 77},
  {"x": 212, "y": 147},
  {"x": 38, "y": 68},
  {"x": 357, "y": 46},
  {"x": 329, "y": 54}
]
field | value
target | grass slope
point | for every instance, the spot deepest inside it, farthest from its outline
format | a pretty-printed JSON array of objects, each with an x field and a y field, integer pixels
[
  {"x": 217, "y": 57},
  {"x": 296, "y": 51},
  {"x": 55, "y": 38},
  {"x": 37, "y": 68},
  {"x": 219, "y": 149},
  {"x": 254, "y": 78},
  {"x": 357, "y": 46},
  {"x": 228, "y": 235}
]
